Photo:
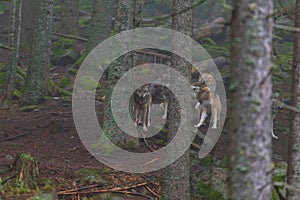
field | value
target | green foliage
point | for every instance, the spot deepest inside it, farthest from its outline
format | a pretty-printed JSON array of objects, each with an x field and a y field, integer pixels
[
  {"x": 84, "y": 22},
  {"x": 4, "y": 5},
  {"x": 213, "y": 48},
  {"x": 275, "y": 195},
  {"x": 208, "y": 192},
  {"x": 279, "y": 176},
  {"x": 2, "y": 74},
  {"x": 88, "y": 83},
  {"x": 209, "y": 160},
  {"x": 86, "y": 5}
]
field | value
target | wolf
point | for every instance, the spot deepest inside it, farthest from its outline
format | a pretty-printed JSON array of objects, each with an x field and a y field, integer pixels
[
  {"x": 142, "y": 102},
  {"x": 208, "y": 101},
  {"x": 160, "y": 95}
]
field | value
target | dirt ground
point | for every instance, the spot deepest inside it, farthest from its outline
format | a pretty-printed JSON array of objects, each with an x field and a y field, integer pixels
[{"x": 49, "y": 135}]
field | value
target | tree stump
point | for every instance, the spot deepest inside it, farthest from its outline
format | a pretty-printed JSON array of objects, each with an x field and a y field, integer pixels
[{"x": 26, "y": 169}]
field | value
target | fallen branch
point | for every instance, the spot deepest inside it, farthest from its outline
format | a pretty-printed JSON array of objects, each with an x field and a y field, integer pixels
[
  {"x": 70, "y": 36},
  {"x": 82, "y": 188},
  {"x": 69, "y": 192},
  {"x": 134, "y": 193},
  {"x": 152, "y": 192},
  {"x": 14, "y": 137},
  {"x": 3, "y": 46},
  {"x": 164, "y": 17}
]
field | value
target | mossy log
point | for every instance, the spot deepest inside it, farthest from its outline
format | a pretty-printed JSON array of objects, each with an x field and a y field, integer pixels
[{"x": 26, "y": 169}]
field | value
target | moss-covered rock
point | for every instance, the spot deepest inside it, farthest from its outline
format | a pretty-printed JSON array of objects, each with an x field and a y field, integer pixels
[
  {"x": 63, "y": 52},
  {"x": 89, "y": 176},
  {"x": 31, "y": 98}
]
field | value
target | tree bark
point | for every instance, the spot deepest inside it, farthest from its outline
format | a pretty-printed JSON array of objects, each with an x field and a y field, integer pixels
[
  {"x": 128, "y": 16},
  {"x": 100, "y": 23},
  {"x": 177, "y": 179},
  {"x": 294, "y": 137},
  {"x": 15, "y": 43},
  {"x": 37, "y": 75},
  {"x": 29, "y": 12},
  {"x": 251, "y": 91},
  {"x": 69, "y": 17}
]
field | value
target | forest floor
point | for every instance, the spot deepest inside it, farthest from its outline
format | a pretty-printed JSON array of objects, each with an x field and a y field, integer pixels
[{"x": 49, "y": 135}]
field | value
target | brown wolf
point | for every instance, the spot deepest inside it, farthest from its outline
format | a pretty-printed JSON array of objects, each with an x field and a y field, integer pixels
[{"x": 207, "y": 101}]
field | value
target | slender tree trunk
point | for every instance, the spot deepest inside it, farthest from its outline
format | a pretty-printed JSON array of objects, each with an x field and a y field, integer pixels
[
  {"x": 294, "y": 136},
  {"x": 37, "y": 76},
  {"x": 177, "y": 179},
  {"x": 250, "y": 122},
  {"x": 101, "y": 22},
  {"x": 69, "y": 17},
  {"x": 15, "y": 43},
  {"x": 128, "y": 16},
  {"x": 29, "y": 12}
]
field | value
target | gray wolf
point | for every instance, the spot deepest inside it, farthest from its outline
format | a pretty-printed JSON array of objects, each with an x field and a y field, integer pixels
[{"x": 142, "y": 101}]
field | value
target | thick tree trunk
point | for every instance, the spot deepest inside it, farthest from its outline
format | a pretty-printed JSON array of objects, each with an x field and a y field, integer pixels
[
  {"x": 250, "y": 123},
  {"x": 37, "y": 76},
  {"x": 69, "y": 17},
  {"x": 294, "y": 137},
  {"x": 100, "y": 23},
  {"x": 15, "y": 43},
  {"x": 177, "y": 179}
]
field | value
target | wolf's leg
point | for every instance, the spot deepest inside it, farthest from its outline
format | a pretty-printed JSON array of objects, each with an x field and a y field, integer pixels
[
  {"x": 214, "y": 116},
  {"x": 273, "y": 135},
  {"x": 136, "y": 119},
  {"x": 197, "y": 105},
  {"x": 145, "y": 119},
  {"x": 148, "y": 117},
  {"x": 203, "y": 117},
  {"x": 165, "y": 111}
]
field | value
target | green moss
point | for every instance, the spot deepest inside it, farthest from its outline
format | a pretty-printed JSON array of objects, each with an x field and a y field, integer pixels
[
  {"x": 88, "y": 83},
  {"x": 21, "y": 72},
  {"x": 81, "y": 59},
  {"x": 64, "y": 43},
  {"x": 275, "y": 195},
  {"x": 73, "y": 71},
  {"x": 2, "y": 74},
  {"x": 29, "y": 108},
  {"x": 17, "y": 93},
  {"x": 209, "y": 160},
  {"x": 89, "y": 175},
  {"x": 63, "y": 47},
  {"x": 52, "y": 87},
  {"x": 208, "y": 192},
  {"x": 224, "y": 163},
  {"x": 65, "y": 81}
]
